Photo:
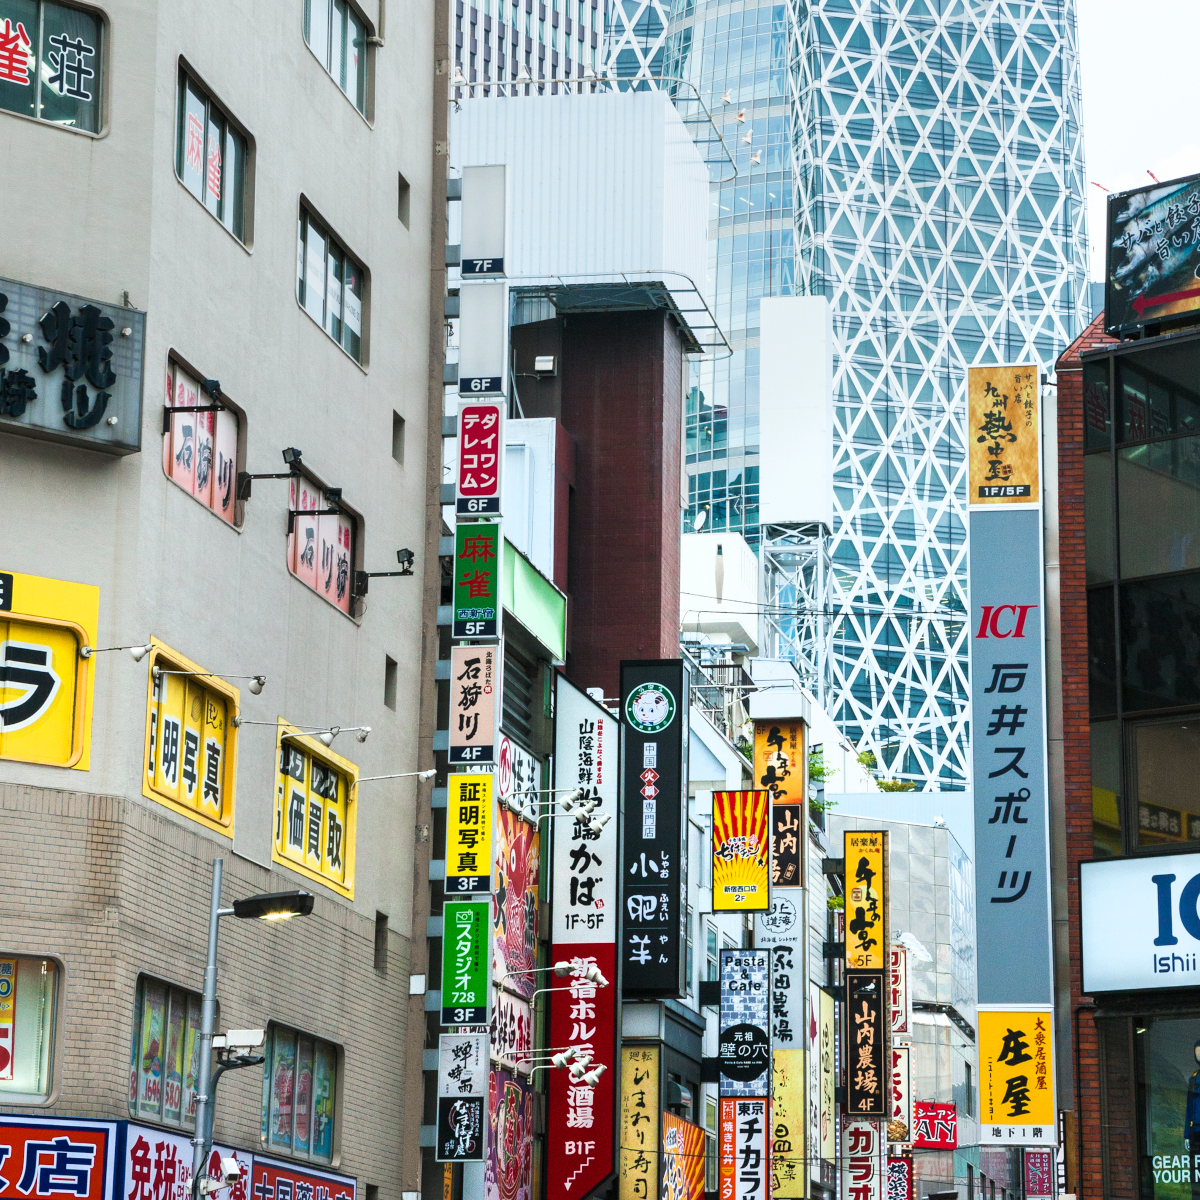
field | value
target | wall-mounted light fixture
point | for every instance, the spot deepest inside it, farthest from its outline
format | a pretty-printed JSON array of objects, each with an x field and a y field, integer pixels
[
  {"x": 291, "y": 458},
  {"x": 210, "y": 387},
  {"x": 257, "y": 682},
  {"x": 404, "y": 557}
]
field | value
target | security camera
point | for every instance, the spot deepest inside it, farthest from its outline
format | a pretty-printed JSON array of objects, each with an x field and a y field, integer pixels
[{"x": 231, "y": 1170}]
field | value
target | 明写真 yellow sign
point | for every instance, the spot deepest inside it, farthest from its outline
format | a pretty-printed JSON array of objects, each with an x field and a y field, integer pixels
[
  {"x": 45, "y": 682},
  {"x": 469, "y": 801},
  {"x": 1003, "y": 440}
]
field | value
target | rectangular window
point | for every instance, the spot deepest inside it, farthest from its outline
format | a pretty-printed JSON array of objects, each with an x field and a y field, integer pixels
[
  {"x": 329, "y": 284},
  {"x": 28, "y": 1018},
  {"x": 51, "y": 63},
  {"x": 211, "y": 156},
  {"x": 713, "y": 966},
  {"x": 338, "y": 37},
  {"x": 200, "y": 450},
  {"x": 166, "y": 1055},
  {"x": 315, "y": 813},
  {"x": 191, "y": 742},
  {"x": 321, "y": 545},
  {"x": 299, "y": 1094},
  {"x": 691, "y": 951}
]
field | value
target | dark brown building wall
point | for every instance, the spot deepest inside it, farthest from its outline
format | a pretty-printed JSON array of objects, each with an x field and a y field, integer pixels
[{"x": 622, "y": 398}]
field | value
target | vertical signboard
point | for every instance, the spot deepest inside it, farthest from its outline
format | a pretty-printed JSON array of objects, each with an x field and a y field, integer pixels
[
  {"x": 864, "y": 1159},
  {"x": 484, "y": 220},
  {"x": 828, "y": 1036},
  {"x": 867, "y": 1044},
  {"x": 788, "y": 1121},
  {"x": 468, "y": 834},
  {"x": 517, "y": 863},
  {"x": 461, "y": 1097},
  {"x": 779, "y": 768},
  {"x": 654, "y": 715},
  {"x": 1039, "y": 1176},
  {"x": 466, "y": 929},
  {"x": 8, "y": 1013},
  {"x": 1008, "y": 722},
  {"x": 639, "y": 1123},
  {"x": 900, "y": 1178},
  {"x": 579, "y": 1144},
  {"x": 866, "y": 899},
  {"x": 899, "y": 1117},
  {"x": 482, "y": 370},
  {"x": 478, "y": 556},
  {"x": 741, "y": 852},
  {"x": 742, "y": 1150},
  {"x": 508, "y": 1170},
  {"x": 745, "y": 1043},
  {"x": 475, "y": 673},
  {"x": 683, "y": 1159},
  {"x": 898, "y": 998},
  {"x": 1016, "y": 1077},
  {"x": 479, "y": 485}
]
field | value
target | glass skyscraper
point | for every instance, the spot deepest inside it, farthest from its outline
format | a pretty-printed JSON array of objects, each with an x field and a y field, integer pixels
[{"x": 931, "y": 166}]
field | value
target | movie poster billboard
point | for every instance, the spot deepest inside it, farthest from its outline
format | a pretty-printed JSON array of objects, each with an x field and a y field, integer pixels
[
  {"x": 741, "y": 852},
  {"x": 508, "y": 1174},
  {"x": 462, "y": 1096},
  {"x": 683, "y": 1159}
]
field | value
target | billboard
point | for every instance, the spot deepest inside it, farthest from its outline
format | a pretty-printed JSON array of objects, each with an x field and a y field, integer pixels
[
  {"x": 466, "y": 926},
  {"x": 866, "y": 899},
  {"x": 515, "y": 902},
  {"x": 788, "y": 1108},
  {"x": 479, "y": 486},
  {"x": 744, "y": 1048},
  {"x": 475, "y": 674},
  {"x": 867, "y": 1044},
  {"x": 779, "y": 768},
  {"x": 508, "y": 1170},
  {"x": 654, "y": 717},
  {"x": 1004, "y": 443},
  {"x": 1016, "y": 1076},
  {"x": 640, "y": 1111},
  {"x": 683, "y": 1159},
  {"x": 899, "y": 1117},
  {"x": 741, "y": 852},
  {"x": 864, "y": 1159},
  {"x": 827, "y": 1023},
  {"x": 742, "y": 1150},
  {"x": 469, "y": 813},
  {"x": 898, "y": 997},
  {"x": 935, "y": 1126},
  {"x": 478, "y": 556},
  {"x": 43, "y": 1156},
  {"x": 1153, "y": 243},
  {"x": 462, "y": 1089},
  {"x": 279, "y": 1179}
]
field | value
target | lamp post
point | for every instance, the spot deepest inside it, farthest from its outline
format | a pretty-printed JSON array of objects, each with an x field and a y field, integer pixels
[{"x": 272, "y": 906}]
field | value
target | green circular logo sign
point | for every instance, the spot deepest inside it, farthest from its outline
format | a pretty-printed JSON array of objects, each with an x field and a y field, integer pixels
[{"x": 650, "y": 708}]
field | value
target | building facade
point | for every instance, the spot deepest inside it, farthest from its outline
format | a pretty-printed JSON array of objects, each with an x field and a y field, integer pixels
[{"x": 186, "y": 295}]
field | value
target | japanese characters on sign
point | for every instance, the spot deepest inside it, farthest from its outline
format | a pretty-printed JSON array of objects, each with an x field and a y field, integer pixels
[
  {"x": 898, "y": 998},
  {"x": 899, "y": 1117},
  {"x": 935, "y": 1126},
  {"x": 8, "y": 1016},
  {"x": 516, "y": 865},
  {"x": 158, "y": 1166},
  {"x": 900, "y": 1178},
  {"x": 866, "y": 899},
  {"x": 45, "y": 683},
  {"x": 779, "y": 768},
  {"x": 315, "y": 810},
  {"x": 480, "y": 457},
  {"x": 466, "y": 955},
  {"x": 1039, "y": 1177},
  {"x": 469, "y": 816},
  {"x": 827, "y": 1020},
  {"x": 812, "y": 1070},
  {"x": 640, "y": 1110},
  {"x": 654, "y": 708},
  {"x": 200, "y": 449},
  {"x": 270, "y": 1180},
  {"x": 78, "y": 379},
  {"x": 744, "y": 1046},
  {"x": 867, "y": 1044},
  {"x": 864, "y": 1159},
  {"x": 788, "y": 1108},
  {"x": 1008, "y": 750},
  {"x": 191, "y": 743},
  {"x": 44, "y": 1157},
  {"x": 511, "y": 1031},
  {"x": 508, "y": 1172},
  {"x": 787, "y": 1008},
  {"x": 1016, "y": 1076},
  {"x": 742, "y": 1150},
  {"x": 478, "y": 557},
  {"x": 518, "y": 776},
  {"x": 1004, "y": 444},
  {"x": 321, "y": 543},
  {"x": 741, "y": 852},
  {"x": 683, "y": 1159},
  {"x": 474, "y": 702},
  {"x": 462, "y": 1091}
]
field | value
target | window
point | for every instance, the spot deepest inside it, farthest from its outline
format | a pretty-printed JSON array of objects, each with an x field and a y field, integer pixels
[
  {"x": 299, "y": 1094},
  {"x": 710, "y": 1144},
  {"x": 691, "y": 951},
  {"x": 191, "y": 743},
  {"x": 166, "y": 1055},
  {"x": 713, "y": 966},
  {"x": 398, "y": 438},
  {"x": 338, "y": 37},
  {"x": 51, "y": 63},
  {"x": 329, "y": 285},
  {"x": 315, "y": 814},
  {"x": 200, "y": 450},
  {"x": 404, "y": 206},
  {"x": 970, "y": 1092},
  {"x": 211, "y": 156},
  {"x": 381, "y": 941},
  {"x": 28, "y": 1020},
  {"x": 390, "y": 674},
  {"x": 321, "y": 545}
]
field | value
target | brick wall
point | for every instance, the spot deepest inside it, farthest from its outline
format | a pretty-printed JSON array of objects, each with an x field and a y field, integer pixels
[{"x": 114, "y": 888}]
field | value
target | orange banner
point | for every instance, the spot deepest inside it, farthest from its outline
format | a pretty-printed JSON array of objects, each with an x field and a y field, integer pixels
[
  {"x": 741, "y": 851},
  {"x": 683, "y": 1159}
]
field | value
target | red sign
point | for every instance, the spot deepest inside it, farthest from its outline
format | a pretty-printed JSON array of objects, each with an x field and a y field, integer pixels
[
  {"x": 281, "y": 1181},
  {"x": 41, "y": 1157},
  {"x": 1039, "y": 1179},
  {"x": 480, "y": 457},
  {"x": 899, "y": 1179},
  {"x": 935, "y": 1126}
]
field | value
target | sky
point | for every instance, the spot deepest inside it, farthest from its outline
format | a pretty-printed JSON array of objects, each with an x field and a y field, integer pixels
[{"x": 1139, "y": 98}]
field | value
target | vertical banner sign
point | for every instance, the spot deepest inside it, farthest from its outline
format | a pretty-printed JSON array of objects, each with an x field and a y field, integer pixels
[
  {"x": 899, "y": 1119},
  {"x": 579, "y": 1143},
  {"x": 935, "y": 1126},
  {"x": 779, "y": 768},
  {"x": 742, "y": 1150},
  {"x": 812, "y": 1069},
  {"x": 828, "y": 1036},
  {"x": 478, "y": 555},
  {"x": 484, "y": 220},
  {"x": 1039, "y": 1178},
  {"x": 462, "y": 1097},
  {"x": 474, "y": 702},
  {"x": 867, "y": 1044},
  {"x": 745, "y": 1043},
  {"x": 900, "y": 1178},
  {"x": 508, "y": 1170},
  {"x": 1008, "y": 721},
  {"x": 898, "y": 989},
  {"x": 8, "y": 1015},
  {"x": 516, "y": 863},
  {"x": 482, "y": 371},
  {"x": 741, "y": 852},
  {"x": 1016, "y": 1077},
  {"x": 468, "y": 834},
  {"x": 866, "y": 899},
  {"x": 787, "y": 1125},
  {"x": 654, "y": 713},
  {"x": 683, "y": 1159},
  {"x": 864, "y": 1159},
  {"x": 466, "y": 955},
  {"x": 480, "y": 457},
  {"x": 639, "y": 1123}
]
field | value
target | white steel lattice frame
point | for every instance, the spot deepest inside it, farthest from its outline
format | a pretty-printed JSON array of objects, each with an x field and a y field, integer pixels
[
  {"x": 797, "y": 619},
  {"x": 939, "y": 165}
]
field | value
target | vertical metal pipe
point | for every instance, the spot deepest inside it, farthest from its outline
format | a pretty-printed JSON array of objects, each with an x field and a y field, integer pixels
[{"x": 208, "y": 1013}]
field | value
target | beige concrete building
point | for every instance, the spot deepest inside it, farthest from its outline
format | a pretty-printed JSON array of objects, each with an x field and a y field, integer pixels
[{"x": 227, "y": 207}]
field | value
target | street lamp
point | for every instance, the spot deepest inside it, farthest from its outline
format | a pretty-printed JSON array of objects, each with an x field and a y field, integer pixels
[{"x": 271, "y": 906}]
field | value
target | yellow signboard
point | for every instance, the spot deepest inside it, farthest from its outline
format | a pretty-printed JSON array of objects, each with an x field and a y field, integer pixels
[
  {"x": 1016, "y": 1076},
  {"x": 639, "y": 1123},
  {"x": 828, "y": 1079},
  {"x": 787, "y": 1124},
  {"x": 316, "y": 811},
  {"x": 779, "y": 760},
  {"x": 741, "y": 863},
  {"x": 1003, "y": 440},
  {"x": 45, "y": 683},
  {"x": 866, "y": 899},
  {"x": 469, "y": 835},
  {"x": 191, "y": 743}
]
